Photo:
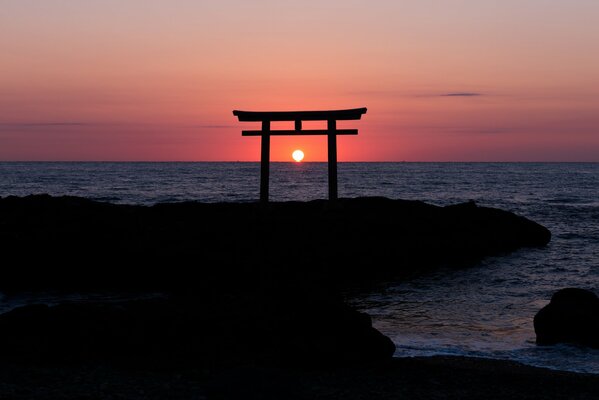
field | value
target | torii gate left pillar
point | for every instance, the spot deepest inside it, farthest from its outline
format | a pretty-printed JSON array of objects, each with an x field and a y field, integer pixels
[
  {"x": 297, "y": 117},
  {"x": 264, "y": 161}
]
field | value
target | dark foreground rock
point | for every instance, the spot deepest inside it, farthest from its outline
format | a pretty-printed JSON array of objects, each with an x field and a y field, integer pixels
[
  {"x": 572, "y": 316},
  {"x": 74, "y": 243},
  {"x": 243, "y": 330}
]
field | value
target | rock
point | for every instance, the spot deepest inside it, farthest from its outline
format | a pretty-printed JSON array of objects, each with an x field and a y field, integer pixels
[
  {"x": 243, "y": 244},
  {"x": 572, "y": 316},
  {"x": 263, "y": 329},
  {"x": 331, "y": 332}
]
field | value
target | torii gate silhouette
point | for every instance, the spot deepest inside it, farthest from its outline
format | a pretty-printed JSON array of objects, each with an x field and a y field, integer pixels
[{"x": 331, "y": 116}]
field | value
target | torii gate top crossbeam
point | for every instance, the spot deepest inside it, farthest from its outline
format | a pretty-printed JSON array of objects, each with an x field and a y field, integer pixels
[{"x": 337, "y": 115}]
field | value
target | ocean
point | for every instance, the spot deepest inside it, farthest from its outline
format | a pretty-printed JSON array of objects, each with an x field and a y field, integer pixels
[{"x": 483, "y": 311}]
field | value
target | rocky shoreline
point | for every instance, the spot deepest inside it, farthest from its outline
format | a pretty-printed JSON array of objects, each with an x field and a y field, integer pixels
[{"x": 251, "y": 294}]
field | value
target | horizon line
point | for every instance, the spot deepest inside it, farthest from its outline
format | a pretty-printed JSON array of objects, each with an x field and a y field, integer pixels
[{"x": 302, "y": 162}]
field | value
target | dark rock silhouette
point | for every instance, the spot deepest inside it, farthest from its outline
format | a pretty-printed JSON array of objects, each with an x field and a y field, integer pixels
[
  {"x": 74, "y": 243},
  {"x": 242, "y": 331},
  {"x": 572, "y": 316}
]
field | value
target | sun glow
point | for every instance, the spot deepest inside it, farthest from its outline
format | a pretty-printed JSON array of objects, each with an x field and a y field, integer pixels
[{"x": 298, "y": 155}]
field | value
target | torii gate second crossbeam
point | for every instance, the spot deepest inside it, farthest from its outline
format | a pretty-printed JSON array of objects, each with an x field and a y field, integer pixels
[{"x": 331, "y": 116}]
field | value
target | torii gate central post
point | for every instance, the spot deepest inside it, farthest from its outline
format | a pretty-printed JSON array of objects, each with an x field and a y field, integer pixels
[{"x": 297, "y": 117}]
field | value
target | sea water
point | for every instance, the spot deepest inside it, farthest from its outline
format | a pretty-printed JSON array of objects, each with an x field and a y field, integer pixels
[{"x": 484, "y": 311}]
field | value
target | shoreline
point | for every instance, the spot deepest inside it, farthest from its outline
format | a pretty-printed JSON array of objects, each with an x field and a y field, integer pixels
[
  {"x": 508, "y": 361},
  {"x": 122, "y": 298}
]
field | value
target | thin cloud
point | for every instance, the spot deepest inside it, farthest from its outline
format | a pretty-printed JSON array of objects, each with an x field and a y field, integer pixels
[
  {"x": 45, "y": 124},
  {"x": 481, "y": 131},
  {"x": 461, "y": 94},
  {"x": 446, "y": 129},
  {"x": 81, "y": 124},
  {"x": 401, "y": 93}
]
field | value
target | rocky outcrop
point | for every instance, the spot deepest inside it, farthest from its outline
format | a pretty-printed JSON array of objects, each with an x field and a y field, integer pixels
[
  {"x": 244, "y": 330},
  {"x": 572, "y": 316},
  {"x": 74, "y": 243}
]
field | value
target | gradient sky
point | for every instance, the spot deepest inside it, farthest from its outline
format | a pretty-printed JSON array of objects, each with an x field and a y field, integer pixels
[{"x": 451, "y": 80}]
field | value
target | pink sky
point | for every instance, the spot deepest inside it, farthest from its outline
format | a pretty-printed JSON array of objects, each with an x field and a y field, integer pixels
[{"x": 468, "y": 80}]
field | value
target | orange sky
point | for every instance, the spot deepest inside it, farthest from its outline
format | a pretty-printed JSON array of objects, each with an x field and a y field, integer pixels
[{"x": 468, "y": 80}]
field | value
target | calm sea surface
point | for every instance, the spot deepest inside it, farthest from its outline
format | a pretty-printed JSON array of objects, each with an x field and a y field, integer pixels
[{"x": 484, "y": 311}]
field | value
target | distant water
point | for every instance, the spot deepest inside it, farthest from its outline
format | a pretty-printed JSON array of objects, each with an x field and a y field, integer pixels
[{"x": 484, "y": 311}]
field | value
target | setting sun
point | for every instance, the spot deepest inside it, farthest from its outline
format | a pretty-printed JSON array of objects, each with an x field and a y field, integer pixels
[{"x": 298, "y": 155}]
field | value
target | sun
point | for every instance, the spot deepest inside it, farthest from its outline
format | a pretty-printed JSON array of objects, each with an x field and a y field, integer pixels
[{"x": 298, "y": 155}]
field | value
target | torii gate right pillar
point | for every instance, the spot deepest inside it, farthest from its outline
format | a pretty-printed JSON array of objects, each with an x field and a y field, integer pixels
[{"x": 332, "y": 158}]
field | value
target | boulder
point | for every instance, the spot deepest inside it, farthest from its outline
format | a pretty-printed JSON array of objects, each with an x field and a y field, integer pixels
[
  {"x": 330, "y": 332},
  {"x": 572, "y": 316}
]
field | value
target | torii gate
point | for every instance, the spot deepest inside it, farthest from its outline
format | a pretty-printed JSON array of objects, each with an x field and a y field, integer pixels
[{"x": 331, "y": 117}]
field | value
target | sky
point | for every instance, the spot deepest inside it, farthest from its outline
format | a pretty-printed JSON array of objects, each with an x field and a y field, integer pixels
[{"x": 450, "y": 80}]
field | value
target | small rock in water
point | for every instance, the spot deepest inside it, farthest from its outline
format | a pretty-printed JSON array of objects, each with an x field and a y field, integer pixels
[{"x": 572, "y": 316}]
